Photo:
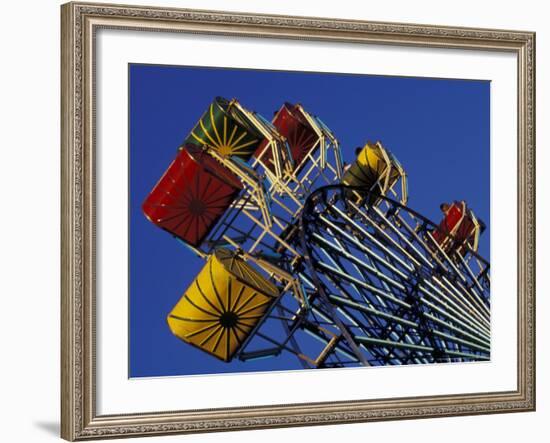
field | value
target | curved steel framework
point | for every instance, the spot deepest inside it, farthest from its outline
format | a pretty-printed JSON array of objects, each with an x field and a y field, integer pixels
[
  {"x": 400, "y": 297},
  {"x": 361, "y": 279}
]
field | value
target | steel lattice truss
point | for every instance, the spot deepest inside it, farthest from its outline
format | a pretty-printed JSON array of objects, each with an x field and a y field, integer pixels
[{"x": 400, "y": 297}]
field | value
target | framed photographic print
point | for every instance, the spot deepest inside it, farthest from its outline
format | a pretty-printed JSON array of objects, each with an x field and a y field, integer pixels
[{"x": 280, "y": 221}]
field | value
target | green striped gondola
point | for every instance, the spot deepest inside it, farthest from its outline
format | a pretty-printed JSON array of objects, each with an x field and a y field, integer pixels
[{"x": 224, "y": 128}]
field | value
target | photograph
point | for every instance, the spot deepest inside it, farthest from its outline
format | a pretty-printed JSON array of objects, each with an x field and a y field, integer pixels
[{"x": 289, "y": 220}]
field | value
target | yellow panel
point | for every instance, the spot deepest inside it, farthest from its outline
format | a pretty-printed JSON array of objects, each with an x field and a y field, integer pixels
[
  {"x": 246, "y": 273},
  {"x": 367, "y": 168},
  {"x": 222, "y": 305},
  {"x": 370, "y": 167}
]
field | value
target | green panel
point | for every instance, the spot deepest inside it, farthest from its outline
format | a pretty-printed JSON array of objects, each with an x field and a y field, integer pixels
[{"x": 225, "y": 129}]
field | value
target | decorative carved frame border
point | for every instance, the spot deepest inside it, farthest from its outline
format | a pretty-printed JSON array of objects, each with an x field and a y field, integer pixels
[{"x": 79, "y": 21}]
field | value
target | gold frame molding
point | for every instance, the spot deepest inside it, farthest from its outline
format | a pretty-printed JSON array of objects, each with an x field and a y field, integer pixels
[{"x": 79, "y": 22}]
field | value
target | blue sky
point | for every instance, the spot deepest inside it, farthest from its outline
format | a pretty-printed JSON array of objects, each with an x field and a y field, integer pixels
[{"x": 438, "y": 129}]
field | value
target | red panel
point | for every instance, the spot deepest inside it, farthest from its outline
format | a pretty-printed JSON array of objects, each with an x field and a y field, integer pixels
[
  {"x": 299, "y": 134},
  {"x": 465, "y": 230},
  {"x": 452, "y": 218},
  {"x": 191, "y": 196}
]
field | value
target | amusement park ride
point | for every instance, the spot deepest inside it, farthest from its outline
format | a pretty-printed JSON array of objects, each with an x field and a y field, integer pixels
[{"x": 308, "y": 256}]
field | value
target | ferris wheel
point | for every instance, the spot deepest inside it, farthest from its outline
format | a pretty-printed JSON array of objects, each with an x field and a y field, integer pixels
[{"x": 308, "y": 256}]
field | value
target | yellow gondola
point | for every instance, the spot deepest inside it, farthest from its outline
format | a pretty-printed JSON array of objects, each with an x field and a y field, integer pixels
[
  {"x": 222, "y": 306},
  {"x": 375, "y": 169}
]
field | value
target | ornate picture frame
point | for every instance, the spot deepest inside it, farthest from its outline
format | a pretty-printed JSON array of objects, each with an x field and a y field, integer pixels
[{"x": 80, "y": 23}]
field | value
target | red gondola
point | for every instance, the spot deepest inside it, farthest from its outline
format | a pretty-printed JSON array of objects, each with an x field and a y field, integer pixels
[
  {"x": 292, "y": 125},
  {"x": 457, "y": 227},
  {"x": 191, "y": 196}
]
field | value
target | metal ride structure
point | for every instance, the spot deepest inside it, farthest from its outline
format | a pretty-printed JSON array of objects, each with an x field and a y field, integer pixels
[{"x": 308, "y": 256}]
